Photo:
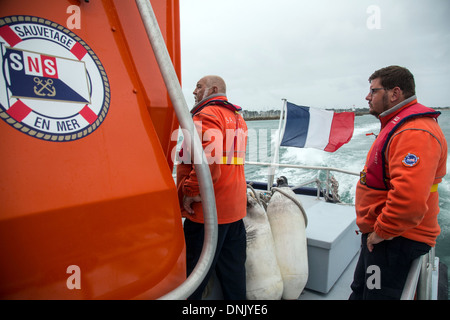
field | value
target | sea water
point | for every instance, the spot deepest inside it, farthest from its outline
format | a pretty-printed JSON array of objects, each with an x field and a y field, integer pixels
[
  {"x": 351, "y": 157},
  {"x": 263, "y": 136}
]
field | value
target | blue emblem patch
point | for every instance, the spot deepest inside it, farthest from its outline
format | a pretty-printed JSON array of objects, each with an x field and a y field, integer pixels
[{"x": 410, "y": 160}]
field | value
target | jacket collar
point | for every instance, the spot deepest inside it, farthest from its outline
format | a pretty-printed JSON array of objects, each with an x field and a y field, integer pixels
[
  {"x": 216, "y": 99},
  {"x": 389, "y": 114}
]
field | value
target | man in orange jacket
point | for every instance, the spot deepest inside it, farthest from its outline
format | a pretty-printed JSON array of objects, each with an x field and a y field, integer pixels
[
  {"x": 397, "y": 202},
  {"x": 223, "y": 132}
]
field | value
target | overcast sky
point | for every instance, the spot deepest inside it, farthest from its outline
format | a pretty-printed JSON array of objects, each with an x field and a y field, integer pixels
[{"x": 316, "y": 53}]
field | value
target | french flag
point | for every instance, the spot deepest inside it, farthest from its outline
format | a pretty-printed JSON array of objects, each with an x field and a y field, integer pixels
[{"x": 317, "y": 128}]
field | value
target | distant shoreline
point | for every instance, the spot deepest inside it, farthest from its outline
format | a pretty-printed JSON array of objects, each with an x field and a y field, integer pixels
[
  {"x": 261, "y": 118},
  {"x": 257, "y": 117}
]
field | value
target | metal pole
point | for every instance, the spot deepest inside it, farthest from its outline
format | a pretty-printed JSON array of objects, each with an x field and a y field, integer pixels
[
  {"x": 425, "y": 280},
  {"x": 412, "y": 280},
  {"x": 273, "y": 167},
  {"x": 201, "y": 169}
]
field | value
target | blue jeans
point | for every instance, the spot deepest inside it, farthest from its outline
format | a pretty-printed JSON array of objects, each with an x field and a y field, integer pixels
[{"x": 229, "y": 259}]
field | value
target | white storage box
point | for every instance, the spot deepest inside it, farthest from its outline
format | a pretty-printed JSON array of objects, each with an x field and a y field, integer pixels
[{"x": 332, "y": 241}]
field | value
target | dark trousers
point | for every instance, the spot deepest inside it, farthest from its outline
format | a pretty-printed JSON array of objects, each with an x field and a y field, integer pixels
[
  {"x": 229, "y": 260},
  {"x": 381, "y": 274}
]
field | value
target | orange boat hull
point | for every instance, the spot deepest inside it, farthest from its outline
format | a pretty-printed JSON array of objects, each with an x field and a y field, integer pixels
[{"x": 93, "y": 214}]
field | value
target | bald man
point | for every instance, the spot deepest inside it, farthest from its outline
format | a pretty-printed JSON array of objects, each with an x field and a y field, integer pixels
[
  {"x": 224, "y": 133},
  {"x": 208, "y": 86}
]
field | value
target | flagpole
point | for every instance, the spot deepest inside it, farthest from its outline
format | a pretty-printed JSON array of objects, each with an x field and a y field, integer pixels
[{"x": 275, "y": 160}]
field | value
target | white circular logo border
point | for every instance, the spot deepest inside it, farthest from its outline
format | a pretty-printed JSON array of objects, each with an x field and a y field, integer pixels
[{"x": 12, "y": 20}]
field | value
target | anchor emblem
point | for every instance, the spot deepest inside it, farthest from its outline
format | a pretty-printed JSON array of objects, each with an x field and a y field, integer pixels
[{"x": 50, "y": 90}]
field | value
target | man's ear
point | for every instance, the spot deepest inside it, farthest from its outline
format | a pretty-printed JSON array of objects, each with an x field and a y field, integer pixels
[{"x": 397, "y": 94}]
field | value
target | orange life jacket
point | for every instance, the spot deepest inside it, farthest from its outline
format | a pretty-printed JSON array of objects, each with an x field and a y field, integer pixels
[{"x": 375, "y": 177}]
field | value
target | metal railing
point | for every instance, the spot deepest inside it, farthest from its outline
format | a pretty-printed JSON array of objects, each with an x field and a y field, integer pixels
[
  {"x": 202, "y": 169},
  {"x": 329, "y": 182},
  {"x": 419, "y": 281},
  {"x": 282, "y": 165}
]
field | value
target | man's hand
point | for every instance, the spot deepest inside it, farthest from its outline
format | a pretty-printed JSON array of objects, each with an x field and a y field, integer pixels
[
  {"x": 187, "y": 202},
  {"x": 374, "y": 238}
]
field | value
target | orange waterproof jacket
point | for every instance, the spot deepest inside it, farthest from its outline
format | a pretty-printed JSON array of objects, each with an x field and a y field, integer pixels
[
  {"x": 415, "y": 162},
  {"x": 224, "y": 139}
]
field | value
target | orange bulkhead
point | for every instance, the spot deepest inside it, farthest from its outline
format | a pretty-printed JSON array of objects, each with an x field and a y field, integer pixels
[{"x": 88, "y": 205}]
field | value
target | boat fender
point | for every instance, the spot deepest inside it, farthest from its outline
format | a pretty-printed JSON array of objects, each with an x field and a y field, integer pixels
[
  {"x": 263, "y": 277},
  {"x": 288, "y": 221}
]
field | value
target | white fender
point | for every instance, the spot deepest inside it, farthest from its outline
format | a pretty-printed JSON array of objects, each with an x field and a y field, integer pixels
[
  {"x": 288, "y": 224},
  {"x": 264, "y": 280}
]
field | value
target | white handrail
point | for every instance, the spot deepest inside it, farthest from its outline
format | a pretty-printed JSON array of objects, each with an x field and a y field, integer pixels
[
  {"x": 419, "y": 280},
  {"x": 273, "y": 166},
  {"x": 301, "y": 167},
  {"x": 410, "y": 288},
  {"x": 201, "y": 169}
]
